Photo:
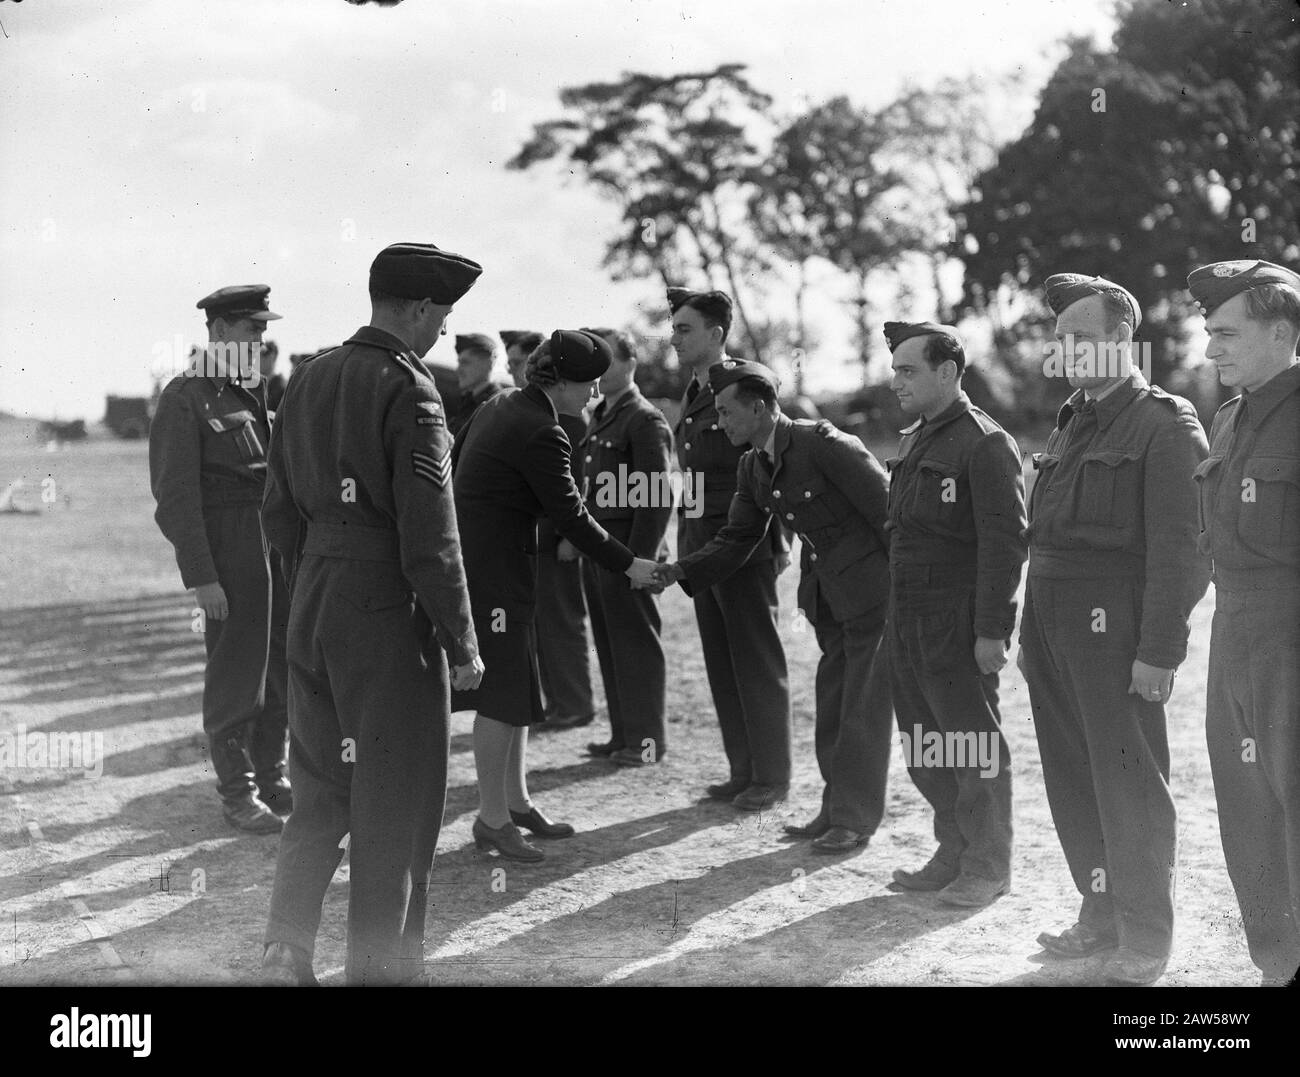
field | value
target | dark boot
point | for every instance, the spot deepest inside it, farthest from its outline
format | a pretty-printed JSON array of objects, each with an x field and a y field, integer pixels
[
  {"x": 239, "y": 800},
  {"x": 268, "y": 742}
]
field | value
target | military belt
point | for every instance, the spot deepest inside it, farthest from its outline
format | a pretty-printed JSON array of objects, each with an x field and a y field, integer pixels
[
  {"x": 354, "y": 542},
  {"x": 1270, "y": 578},
  {"x": 216, "y": 496},
  {"x": 1085, "y": 564}
]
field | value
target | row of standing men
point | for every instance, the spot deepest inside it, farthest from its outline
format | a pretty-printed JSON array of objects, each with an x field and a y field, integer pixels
[{"x": 930, "y": 564}]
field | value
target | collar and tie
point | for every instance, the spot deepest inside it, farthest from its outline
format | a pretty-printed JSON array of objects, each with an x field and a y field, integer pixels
[{"x": 692, "y": 390}]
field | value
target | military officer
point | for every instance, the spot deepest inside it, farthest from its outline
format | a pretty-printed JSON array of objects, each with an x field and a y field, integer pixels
[
  {"x": 564, "y": 663},
  {"x": 476, "y": 356},
  {"x": 737, "y": 617},
  {"x": 207, "y": 466},
  {"x": 829, "y": 490},
  {"x": 624, "y": 460},
  {"x": 1113, "y": 576},
  {"x": 1250, "y": 527},
  {"x": 512, "y": 466},
  {"x": 956, "y": 522},
  {"x": 359, "y": 504}
]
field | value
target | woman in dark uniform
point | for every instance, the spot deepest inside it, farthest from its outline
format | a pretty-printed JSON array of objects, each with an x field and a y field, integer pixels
[{"x": 511, "y": 464}]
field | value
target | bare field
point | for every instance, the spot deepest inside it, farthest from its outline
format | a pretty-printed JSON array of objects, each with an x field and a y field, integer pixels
[{"x": 133, "y": 876}]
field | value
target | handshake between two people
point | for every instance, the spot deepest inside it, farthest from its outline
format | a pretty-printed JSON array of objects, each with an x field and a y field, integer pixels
[{"x": 653, "y": 576}]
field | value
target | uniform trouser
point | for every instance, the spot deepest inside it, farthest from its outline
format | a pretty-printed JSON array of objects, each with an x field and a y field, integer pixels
[
  {"x": 245, "y": 682},
  {"x": 368, "y": 721},
  {"x": 1105, "y": 755},
  {"x": 941, "y": 697},
  {"x": 626, "y": 624},
  {"x": 745, "y": 662},
  {"x": 562, "y": 658},
  {"x": 1252, "y": 725},
  {"x": 854, "y": 718}
]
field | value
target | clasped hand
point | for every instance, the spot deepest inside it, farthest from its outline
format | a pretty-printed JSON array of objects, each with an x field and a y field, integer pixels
[{"x": 644, "y": 575}]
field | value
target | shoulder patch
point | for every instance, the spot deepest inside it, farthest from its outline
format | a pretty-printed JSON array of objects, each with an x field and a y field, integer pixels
[{"x": 986, "y": 422}]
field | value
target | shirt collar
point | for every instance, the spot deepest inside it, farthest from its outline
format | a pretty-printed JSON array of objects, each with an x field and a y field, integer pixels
[
  {"x": 1268, "y": 396},
  {"x": 1108, "y": 405},
  {"x": 369, "y": 334}
]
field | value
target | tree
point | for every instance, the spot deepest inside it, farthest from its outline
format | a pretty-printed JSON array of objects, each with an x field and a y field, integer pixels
[
  {"x": 1175, "y": 149},
  {"x": 675, "y": 154}
]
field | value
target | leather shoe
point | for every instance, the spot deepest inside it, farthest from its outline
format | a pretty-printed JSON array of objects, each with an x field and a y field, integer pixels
[
  {"x": 568, "y": 721},
  {"x": 1133, "y": 968},
  {"x": 1079, "y": 941},
  {"x": 277, "y": 796},
  {"x": 534, "y": 820},
  {"x": 249, "y": 814},
  {"x": 973, "y": 892},
  {"x": 759, "y": 797},
  {"x": 840, "y": 839},
  {"x": 936, "y": 874},
  {"x": 815, "y": 828},
  {"x": 603, "y": 749},
  {"x": 727, "y": 790},
  {"x": 286, "y": 965},
  {"x": 507, "y": 841}
]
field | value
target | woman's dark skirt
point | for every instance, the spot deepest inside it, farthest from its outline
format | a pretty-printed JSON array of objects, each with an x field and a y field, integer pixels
[{"x": 511, "y": 692}]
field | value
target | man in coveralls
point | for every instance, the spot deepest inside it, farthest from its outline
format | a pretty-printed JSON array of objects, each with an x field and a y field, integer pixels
[
  {"x": 207, "y": 467},
  {"x": 1114, "y": 574},
  {"x": 1250, "y": 527},
  {"x": 957, "y": 543},
  {"x": 359, "y": 504}
]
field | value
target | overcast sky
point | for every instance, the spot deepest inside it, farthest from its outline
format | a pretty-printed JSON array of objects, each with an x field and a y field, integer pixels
[{"x": 155, "y": 150}]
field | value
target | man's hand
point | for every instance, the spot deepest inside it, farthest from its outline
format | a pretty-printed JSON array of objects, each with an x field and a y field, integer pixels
[
  {"x": 211, "y": 599},
  {"x": 642, "y": 574},
  {"x": 566, "y": 551},
  {"x": 469, "y": 676},
  {"x": 1152, "y": 683},
  {"x": 991, "y": 654},
  {"x": 668, "y": 574}
]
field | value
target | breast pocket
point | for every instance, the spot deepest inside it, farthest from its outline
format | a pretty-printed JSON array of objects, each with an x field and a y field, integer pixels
[
  {"x": 810, "y": 504},
  {"x": 1270, "y": 503},
  {"x": 1207, "y": 485},
  {"x": 237, "y": 433},
  {"x": 1109, "y": 487},
  {"x": 938, "y": 492}
]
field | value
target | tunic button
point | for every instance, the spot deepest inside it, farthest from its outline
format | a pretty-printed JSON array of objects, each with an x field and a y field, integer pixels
[
  {"x": 807, "y": 493},
  {"x": 776, "y": 493},
  {"x": 687, "y": 446},
  {"x": 789, "y": 515},
  {"x": 589, "y": 459},
  {"x": 812, "y": 557},
  {"x": 714, "y": 426},
  {"x": 690, "y": 421}
]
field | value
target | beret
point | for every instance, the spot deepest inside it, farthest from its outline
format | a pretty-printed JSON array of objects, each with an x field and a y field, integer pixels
[
  {"x": 579, "y": 354},
  {"x": 730, "y": 371},
  {"x": 897, "y": 332},
  {"x": 422, "y": 271},
  {"x": 525, "y": 338},
  {"x": 481, "y": 341},
  {"x": 1063, "y": 289},
  {"x": 718, "y": 303},
  {"x": 1213, "y": 285},
  {"x": 239, "y": 300}
]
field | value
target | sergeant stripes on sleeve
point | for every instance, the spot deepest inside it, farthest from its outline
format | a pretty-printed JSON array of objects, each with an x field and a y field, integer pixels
[{"x": 432, "y": 469}]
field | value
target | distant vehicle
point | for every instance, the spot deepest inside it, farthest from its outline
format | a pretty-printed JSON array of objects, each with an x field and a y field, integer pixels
[
  {"x": 128, "y": 416},
  {"x": 69, "y": 431}
]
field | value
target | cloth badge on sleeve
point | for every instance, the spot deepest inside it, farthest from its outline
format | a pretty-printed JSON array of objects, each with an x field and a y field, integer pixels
[
  {"x": 432, "y": 469},
  {"x": 434, "y": 417}
]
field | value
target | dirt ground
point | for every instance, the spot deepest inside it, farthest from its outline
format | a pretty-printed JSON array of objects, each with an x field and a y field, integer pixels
[{"x": 132, "y": 876}]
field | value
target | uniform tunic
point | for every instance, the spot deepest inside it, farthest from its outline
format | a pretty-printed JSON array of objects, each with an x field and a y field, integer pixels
[
  {"x": 207, "y": 467},
  {"x": 1113, "y": 576},
  {"x": 625, "y": 441},
  {"x": 825, "y": 487},
  {"x": 1250, "y": 525},
  {"x": 737, "y": 617},
  {"x": 512, "y": 467},
  {"x": 359, "y": 504},
  {"x": 956, "y": 521}
]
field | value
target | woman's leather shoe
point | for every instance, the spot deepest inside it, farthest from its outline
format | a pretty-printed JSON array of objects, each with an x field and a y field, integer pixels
[
  {"x": 507, "y": 841},
  {"x": 535, "y": 821}
]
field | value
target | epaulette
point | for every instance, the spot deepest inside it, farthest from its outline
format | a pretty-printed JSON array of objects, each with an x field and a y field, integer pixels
[
  {"x": 985, "y": 421},
  {"x": 1178, "y": 403}
]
